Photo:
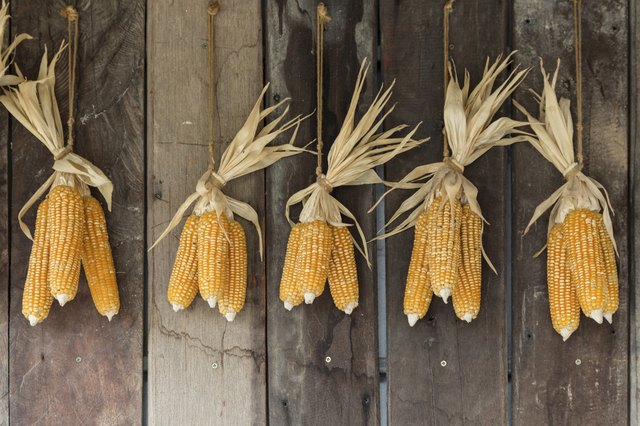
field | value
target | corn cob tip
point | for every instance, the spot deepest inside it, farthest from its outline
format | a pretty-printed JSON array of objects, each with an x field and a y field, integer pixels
[
  {"x": 62, "y": 299},
  {"x": 596, "y": 315},
  {"x": 212, "y": 302},
  {"x": 177, "y": 307},
  {"x": 33, "y": 320},
  {"x": 309, "y": 298},
  {"x": 110, "y": 315},
  {"x": 444, "y": 294},
  {"x": 566, "y": 332},
  {"x": 413, "y": 319},
  {"x": 288, "y": 306},
  {"x": 609, "y": 317},
  {"x": 467, "y": 317},
  {"x": 350, "y": 307},
  {"x": 230, "y": 316}
]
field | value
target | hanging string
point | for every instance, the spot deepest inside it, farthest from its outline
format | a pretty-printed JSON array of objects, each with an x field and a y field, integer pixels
[
  {"x": 71, "y": 14},
  {"x": 448, "y": 7},
  {"x": 322, "y": 18},
  {"x": 577, "y": 27},
  {"x": 212, "y": 11}
]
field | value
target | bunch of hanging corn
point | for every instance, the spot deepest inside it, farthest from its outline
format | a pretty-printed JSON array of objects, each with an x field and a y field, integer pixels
[
  {"x": 70, "y": 225},
  {"x": 581, "y": 260},
  {"x": 320, "y": 247},
  {"x": 446, "y": 260},
  {"x": 212, "y": 254}
]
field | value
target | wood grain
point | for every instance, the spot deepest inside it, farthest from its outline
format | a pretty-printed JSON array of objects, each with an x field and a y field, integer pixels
[
  {"x": 219, "y": 368},
  {"x": 584, "y": 380},
  {"x": 304, "y": 388},
  {"x": 634, "y": 179},
  {"x": 76, "y": 367},
  {"x": 4, "y": 269},
  {"x": 472, "y": 387}
]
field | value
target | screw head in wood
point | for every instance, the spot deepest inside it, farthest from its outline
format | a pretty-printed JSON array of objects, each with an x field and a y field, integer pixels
[
  {"x": 443, "y": 363},
  {"x": 78, "y": 359},
  {"x": 327, "y": 359},
  {"x": 214, "y": 365},
  {"x": 578, "y": 361}
]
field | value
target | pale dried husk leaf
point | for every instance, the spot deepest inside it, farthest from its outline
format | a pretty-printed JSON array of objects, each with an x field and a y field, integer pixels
[
  {"x": 470, "y": 131},
  {"x": 7, "y": 52},
  {"x": 355, "y": 152},
  {"x": 554, "y": 140},
  {"x": 33, "y": 104},
  {"x": 248, "y": 152}
]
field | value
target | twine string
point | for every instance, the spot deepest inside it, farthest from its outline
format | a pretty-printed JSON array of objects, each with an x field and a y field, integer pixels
[
  {"x": 577, "y": 27},
  {"x": 322, "y": 18},
  {"x": 71, "y": 14},
  {"x": 448, "y": 7},
  {"x": 212, "y": 11}
]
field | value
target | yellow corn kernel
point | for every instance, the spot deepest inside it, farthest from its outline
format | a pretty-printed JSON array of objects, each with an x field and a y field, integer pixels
[
  {"x": 343, "y": 273},
  {"x": 65, "y": 231},
  {"x": 37, "y": 298},
  {"x": 235, "y": 289},
  {"x": 97, "y": 260},
  {"x": 611, "y": 300},
  {"x": 443, "y": 236},
  {"x": 314, "y": 256},
  {"x": 183, "y": 284},
  {"x": 467, "y": 292},
  {"x": 417, "y": 293},
  {"x": 290, "y": 290},
  {"x": 213, "y": 256},
  {"x": 586, "y": 261},
  {"x": 563, "y": 300}
]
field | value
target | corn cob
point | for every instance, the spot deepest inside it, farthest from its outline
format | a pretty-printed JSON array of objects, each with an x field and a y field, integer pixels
[
  {"x": 611, "y": 299},
  {"x": 183, "y": 284},
  {"x": 443, "y": 256},
  {"x": 586, "y": 260},
  {"x": 213, "y": 256},
  {"x": 65, "y": 230},
  {"x": 343, "y": 274},
  {"x": 563, "y": 300},
  {"x": 97, "y": 260},
  {"x": 290, "y": 291},
  {"x": 37, "y": 298},
  {"x": 235, "y": 289},
  {"x": 467, "y": 292},
  {"x": 417, "y": 293},
  {"x": 314, "y": 256}
]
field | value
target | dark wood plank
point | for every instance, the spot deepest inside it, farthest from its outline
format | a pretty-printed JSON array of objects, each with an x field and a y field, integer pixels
[
  {"x": 218, "y": 368},
  {"x": 4, "y": 269},
  {"x": 472, "y": 387},
  {"x": 634, "y": 179},
  {"x": 584, "y": 380},
  {"x": 303, "y": 387},
  {"x": 77, "y": 368}
]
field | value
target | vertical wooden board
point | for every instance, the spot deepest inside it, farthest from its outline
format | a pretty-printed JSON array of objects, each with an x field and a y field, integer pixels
[
  {"x": 4, "y": 270},
  {"x": 634, "y": 179},
  {"x": 443, "y": 370},
  {"x": 322, "y": 363},
  {"x": 218, "y": 367},
  {"x": 76, "y": 367},
  {"x": 584, "y": 380}
]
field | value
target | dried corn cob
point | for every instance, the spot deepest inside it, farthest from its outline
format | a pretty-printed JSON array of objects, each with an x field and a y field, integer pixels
[
  {"x": 611, "y": 299},
  {"x": 418, "y": 293},
  {"x": 586, "y": 260},
  {"x": 97, "y": 260},
  {"x": 213, "y": 256},
  {"x": 65, "y": 230},
  {"x": 443, "y": 256},
  {"x": 563, "y": 300},
  {"x": 235, "y": 289},
  {"x": 37, "y": 298},
  {"x": 343, "y": 274},
  {"x": 467, "y": 292},
  {"x": 183, "y": 284},
  {"x": 290, "y": 291},
  {"x": 314, "y": 257}
]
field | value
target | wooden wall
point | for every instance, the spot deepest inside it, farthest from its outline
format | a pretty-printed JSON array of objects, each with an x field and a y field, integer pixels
[{"x": 142, "y": 118}]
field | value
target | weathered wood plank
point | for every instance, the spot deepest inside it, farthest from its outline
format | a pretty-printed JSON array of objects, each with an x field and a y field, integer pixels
[
  {"x": 584, "y": 380},
  {"x": 4, "y": 269},
  {"x": 219, "y": 368},
  {"x": 634, "y": 152},
  {"x": 421, "y": 389},
  {"x": 77, "y": 368},
  {"x": 304, "y": 388}
]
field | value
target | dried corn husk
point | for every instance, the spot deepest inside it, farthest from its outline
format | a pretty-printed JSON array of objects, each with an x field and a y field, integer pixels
[
  {"x": 6, "y": 52},
  {"x": 355, "y": 152},
  {"x": 248, "y": 152}
]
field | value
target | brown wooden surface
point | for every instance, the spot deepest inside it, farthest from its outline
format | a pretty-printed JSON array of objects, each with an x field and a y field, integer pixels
[
  {"x": 472, "y": 387},
  {"x": 634, "y": 220},
  {"x": 184, "y": 347},
  {"x": 4, "y": 270},
  {"x": 549, "y": 386},
  {"x": 303, "y": 387},
  {"x": 76, "y": 367}
]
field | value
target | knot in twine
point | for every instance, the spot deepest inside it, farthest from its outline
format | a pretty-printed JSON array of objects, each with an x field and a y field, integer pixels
[
  {"x": 452, "y": 164},
  {"x": 213, "y": 8},
  {"x": 62, "y": 152},
  {"x": 572, "y": 170},
  {"x": 324, "y": 183},
  {"x": 69, "y": 12}
]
